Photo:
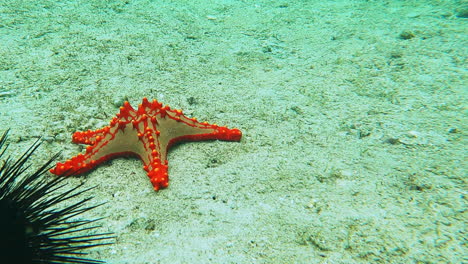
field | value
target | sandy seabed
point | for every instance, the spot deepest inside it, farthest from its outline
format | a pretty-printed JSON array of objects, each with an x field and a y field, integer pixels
[{"x": 353, "y": 113}]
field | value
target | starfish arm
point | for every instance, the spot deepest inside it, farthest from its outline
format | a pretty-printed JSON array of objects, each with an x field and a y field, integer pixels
[
  {"x": 210, "y": 133},
  {"x": 189, "y": 129},
  {"x": 75, "y": 165},
  {"x": 219, "y": 133},
  {"x": 154, "y": 164},
  {"x": 89, "y": 137},
  {"x": 82, "y": 163},
  {"x": 103, "y": 147},
  {"x": 158, "y": 176}
]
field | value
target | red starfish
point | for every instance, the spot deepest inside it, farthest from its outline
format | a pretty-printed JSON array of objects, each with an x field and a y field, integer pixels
[{"x": 148, "y": 132}]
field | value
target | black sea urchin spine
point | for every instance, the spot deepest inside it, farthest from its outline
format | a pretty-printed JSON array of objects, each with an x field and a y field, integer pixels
[{"x": 34, "y": 227}]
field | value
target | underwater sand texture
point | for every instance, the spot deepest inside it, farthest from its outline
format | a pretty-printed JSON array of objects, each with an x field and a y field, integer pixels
[{"x": 353, "y": 115}]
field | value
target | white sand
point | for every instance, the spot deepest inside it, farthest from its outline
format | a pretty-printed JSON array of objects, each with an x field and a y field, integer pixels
[{"x": 354, "y": 137}]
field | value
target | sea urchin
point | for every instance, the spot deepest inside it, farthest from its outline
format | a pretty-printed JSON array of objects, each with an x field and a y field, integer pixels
[{"x": 35, "y": 227}]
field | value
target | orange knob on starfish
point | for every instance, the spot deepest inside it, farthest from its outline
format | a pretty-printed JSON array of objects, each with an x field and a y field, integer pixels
[{"x": 148, "y": 133}]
